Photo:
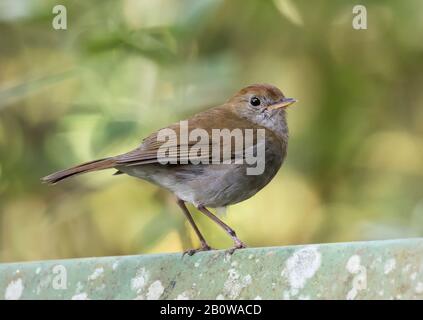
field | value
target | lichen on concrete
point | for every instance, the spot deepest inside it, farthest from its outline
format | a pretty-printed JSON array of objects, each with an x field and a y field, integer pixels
[{"x": 361, "y": 270}]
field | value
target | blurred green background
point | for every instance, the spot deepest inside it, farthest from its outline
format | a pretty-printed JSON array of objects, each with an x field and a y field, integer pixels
[{"x": 125, "y": 68}]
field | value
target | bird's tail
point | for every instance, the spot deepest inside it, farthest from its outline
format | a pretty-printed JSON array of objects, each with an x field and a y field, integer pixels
[{"x": 95, "y": 165}]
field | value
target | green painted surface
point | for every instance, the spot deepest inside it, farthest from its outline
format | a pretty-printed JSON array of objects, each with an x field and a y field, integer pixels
[{"x": 362, "y": 270}]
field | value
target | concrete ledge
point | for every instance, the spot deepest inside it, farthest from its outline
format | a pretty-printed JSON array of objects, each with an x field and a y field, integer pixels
[{"x": 361, "y": 270}]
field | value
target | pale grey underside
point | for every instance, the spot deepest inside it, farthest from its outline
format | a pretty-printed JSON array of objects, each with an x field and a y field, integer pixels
[{"x": 212, "y": 185}]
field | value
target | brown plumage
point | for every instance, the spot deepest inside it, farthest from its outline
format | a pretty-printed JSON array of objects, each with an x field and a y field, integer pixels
[{"x": 94, "y": 165}]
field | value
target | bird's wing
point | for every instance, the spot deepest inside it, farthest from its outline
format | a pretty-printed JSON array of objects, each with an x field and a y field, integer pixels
[{"x": 217, "y": 118}]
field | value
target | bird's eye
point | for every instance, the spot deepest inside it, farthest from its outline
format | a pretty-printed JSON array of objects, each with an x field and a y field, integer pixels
[{"x": 255, "y": 101}]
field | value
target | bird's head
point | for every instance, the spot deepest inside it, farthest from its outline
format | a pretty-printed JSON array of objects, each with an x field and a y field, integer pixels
[{"x": 263, "y": 104}]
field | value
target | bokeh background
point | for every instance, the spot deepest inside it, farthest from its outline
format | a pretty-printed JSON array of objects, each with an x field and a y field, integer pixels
[{"x": 125, "y": 68}]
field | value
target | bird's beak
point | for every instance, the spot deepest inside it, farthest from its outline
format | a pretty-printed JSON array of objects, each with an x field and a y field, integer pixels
[{"x": 285, "y": 102}]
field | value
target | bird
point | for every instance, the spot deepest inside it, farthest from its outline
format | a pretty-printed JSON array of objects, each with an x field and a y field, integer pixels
[{"x": 211, "y": 181}]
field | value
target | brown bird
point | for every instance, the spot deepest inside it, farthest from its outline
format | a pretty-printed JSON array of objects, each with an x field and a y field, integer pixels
[{"x": 209, "y": 173}]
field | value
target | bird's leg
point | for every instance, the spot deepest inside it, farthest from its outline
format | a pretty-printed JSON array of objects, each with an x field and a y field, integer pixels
[
  {"x": 238, "y": 243},
  {"x": 204, "y": 244}
]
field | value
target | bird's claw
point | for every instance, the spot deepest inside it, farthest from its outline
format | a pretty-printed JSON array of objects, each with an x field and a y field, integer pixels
[
  {"x": 238, "y": 245},
  {"x": 191, "y": 252}
]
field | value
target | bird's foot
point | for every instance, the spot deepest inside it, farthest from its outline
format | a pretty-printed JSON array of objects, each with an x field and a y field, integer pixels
[
  {"x": 191, "y": 252},
  {"x": 238, "y": 245}
]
